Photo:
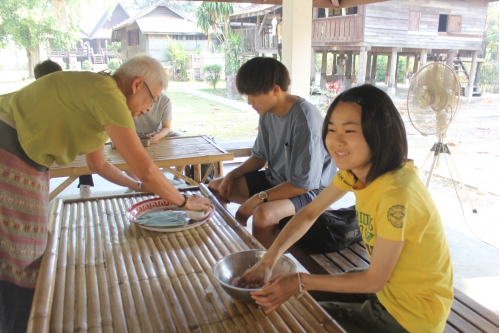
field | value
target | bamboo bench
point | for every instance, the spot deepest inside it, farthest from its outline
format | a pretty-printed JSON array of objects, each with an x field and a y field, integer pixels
[
  {"x": 466, "y": 315},
  {"x": 237, "y": 147}
]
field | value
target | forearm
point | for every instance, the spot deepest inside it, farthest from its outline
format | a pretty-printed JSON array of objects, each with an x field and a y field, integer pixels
[
  {"x": 114, "y": 175},
  {"x": 163, "y": 132},
  {"x": 362, "y": 282}
]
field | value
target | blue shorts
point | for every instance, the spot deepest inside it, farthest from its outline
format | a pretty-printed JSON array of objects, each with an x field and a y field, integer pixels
[{"x": 258, "y": 182}]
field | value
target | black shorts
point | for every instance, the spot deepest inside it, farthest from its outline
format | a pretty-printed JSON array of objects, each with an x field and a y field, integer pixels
[{"x": 258, "y": 182}]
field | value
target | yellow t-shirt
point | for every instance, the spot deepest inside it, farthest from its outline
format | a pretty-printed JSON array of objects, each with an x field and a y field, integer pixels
[
  {"x": 397, "y": 206},
  {"x": 63, "y": 114}
]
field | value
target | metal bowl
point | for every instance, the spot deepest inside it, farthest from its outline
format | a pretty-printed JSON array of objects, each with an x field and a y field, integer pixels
[{"x": 235, "y": 264}]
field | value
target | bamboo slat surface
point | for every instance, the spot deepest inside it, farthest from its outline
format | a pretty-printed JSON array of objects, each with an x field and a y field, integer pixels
[{"x": 103, "y": 274}]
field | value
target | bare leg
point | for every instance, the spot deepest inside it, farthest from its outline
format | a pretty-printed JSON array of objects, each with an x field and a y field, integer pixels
[
  {"x": 266, "y": 218},
  {"x": 179, "y": 169}
]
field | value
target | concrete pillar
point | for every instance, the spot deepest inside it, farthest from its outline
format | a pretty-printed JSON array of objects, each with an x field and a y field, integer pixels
[
  {"x": 323, "y": 69},
  {"x": 348, "y": 70},
  {"x": 334, "y": 64},
  {"x": 368, "y": 67},
  {"x": 391, "y": 88},
  {"x": 297, "y": 30},
  {"x": 373, "y": 80},
  {"x": 341, "y": 66},
  {"x": 450, "y": 57},
  {"x": 354, "y": 67},
  {"x": 362, "y": 66},
  {"x": 472, "y": 77}
]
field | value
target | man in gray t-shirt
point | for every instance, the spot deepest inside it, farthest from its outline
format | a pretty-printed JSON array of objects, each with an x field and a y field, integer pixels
[
  {"x": 157, "y": 124},
  {"x": 289, "y": 141}
]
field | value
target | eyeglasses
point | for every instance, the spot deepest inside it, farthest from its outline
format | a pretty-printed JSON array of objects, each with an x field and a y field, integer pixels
[{"x": 153, "y": 100}]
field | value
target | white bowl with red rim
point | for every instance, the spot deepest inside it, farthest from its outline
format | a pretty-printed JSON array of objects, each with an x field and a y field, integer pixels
[{"x": 158, "y": 205}]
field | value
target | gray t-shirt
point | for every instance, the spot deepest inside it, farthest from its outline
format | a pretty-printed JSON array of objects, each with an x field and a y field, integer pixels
[
  {"x": 293, "y": 148},
  {"x": 150, "y": 122}
]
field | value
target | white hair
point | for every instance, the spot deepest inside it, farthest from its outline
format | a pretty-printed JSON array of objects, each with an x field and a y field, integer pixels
[{"x": 146, "y": 67}]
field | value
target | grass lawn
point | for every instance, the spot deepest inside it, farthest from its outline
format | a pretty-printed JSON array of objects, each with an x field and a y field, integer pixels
[{"x": 195, "y": 115}]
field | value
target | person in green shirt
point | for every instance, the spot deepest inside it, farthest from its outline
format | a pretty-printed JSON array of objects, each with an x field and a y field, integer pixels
[{"x": 54, "y": 119}]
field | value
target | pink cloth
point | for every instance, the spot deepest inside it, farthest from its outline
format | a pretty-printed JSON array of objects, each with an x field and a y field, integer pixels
[{"x": 24, "y": 195}]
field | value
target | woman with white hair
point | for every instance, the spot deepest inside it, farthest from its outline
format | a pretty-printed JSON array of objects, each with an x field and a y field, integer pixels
[{"x": 54, "y": 119}]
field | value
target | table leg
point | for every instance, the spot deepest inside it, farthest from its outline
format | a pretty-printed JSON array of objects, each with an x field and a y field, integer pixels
[
  {"x": 197, "y": 173},
  {"x": 62, "y": 187},
  {"x": 205, "y": 176},
  {"x": 219, "y": 169},
  {"x": 181, "y": 176}
]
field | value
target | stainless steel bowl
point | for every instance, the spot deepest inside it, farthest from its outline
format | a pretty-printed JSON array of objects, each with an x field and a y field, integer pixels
[{"x": 235, "y": 264}]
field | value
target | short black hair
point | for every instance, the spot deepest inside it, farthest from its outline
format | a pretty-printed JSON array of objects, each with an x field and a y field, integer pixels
[
  {"x": 259, "y": 76},
  {"x": 46, "y": 67},
  {"x": 382, "y": 127}
]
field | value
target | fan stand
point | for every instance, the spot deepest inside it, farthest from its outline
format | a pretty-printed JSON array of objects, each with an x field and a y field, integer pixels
[{"x": 442, "y": 148}]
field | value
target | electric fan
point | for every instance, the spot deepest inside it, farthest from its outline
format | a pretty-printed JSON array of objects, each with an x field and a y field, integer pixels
[{"x": 433, "y": 100}]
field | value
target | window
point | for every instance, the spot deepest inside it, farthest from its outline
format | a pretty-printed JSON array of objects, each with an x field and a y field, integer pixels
[
  {"x": 414, "y": 21},
  {"x": 450, "y": 23},
  {"x": 133, "y": 37},
  {"x": 342, "y": 11},
  {"x": 443, "y": 22},
  {"x": 454, "y": 23}
]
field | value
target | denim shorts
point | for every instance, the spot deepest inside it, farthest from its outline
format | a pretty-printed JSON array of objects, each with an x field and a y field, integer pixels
[{"x": 258, "y": 182}]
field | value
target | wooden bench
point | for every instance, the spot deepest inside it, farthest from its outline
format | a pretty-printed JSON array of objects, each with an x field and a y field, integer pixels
[
  {"x": 237, "y": 147},
  {"x": 466, "y": 315}
]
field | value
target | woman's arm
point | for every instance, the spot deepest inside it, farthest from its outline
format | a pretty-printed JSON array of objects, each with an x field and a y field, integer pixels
[
  {"x": 292, "y": 232},
  {"x": 384, "y": 258},
  {"x": 129, "y": 145},
  {"x": 98, "y": 164},
  {"x": 302, "y": 221}
]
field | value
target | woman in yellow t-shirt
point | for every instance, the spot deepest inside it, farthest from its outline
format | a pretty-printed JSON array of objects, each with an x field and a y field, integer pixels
[
  {"x": 409, "y": 283},
  {"x": 54, "y": 119}
]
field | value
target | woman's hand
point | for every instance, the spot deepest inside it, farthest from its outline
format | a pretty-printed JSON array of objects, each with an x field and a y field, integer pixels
[
  {"x": 258, "y": 274},
  {"x": 196, "y": 202},
  {"x": 276, "y": 291}
]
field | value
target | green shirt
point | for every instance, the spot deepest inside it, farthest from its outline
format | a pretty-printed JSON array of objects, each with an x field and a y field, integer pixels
[{"x": 63, "y": 114}]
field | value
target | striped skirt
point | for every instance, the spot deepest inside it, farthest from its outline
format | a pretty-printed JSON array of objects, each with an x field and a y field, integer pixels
[{"x": 24, "y": 193}]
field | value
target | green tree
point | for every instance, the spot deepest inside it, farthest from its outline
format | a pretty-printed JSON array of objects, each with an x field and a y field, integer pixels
[
  {"x": 233, "y": 47},
  {"x": 491, "y": 32},
  {"x": 31, "y": 23},
  {"x": 212, "y": 74},
  {"x": 177, "y": 55}
]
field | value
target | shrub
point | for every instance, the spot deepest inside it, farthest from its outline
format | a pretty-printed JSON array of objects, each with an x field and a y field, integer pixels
[
  {"x": 113, "y": 64},
  {"x": 87, "y": 65},
  {"x": 212, "y": 74}
]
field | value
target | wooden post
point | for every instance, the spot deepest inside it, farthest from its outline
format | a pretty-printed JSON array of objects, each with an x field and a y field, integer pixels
[
  {"x": 415, "y": 65},
  {"x": 472, "y": 76},
  {"x": 354, "y": 66},
  {"x": 373, "y": 80},
  {"x": 391, "y": 88},
  {"x": 368, "y": 67},
  {"x": 423, "y": 57},
  {"x": 388, "y": 70},
  {"x": 406, "y": 69},
  {"x": 323, "y": 69},
  {"x": 348, "y": 70},
  {"x": 362, "y": 66}
]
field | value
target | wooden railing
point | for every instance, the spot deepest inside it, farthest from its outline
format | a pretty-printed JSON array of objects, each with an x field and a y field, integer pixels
[
  {"x": 338, "y": 29},
  {"x": 253, "y": 41}
]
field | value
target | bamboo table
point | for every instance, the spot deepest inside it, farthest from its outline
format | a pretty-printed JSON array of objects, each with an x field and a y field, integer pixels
[
  {"x": 168, "y": 152},
  {"x": 102, "y": 274}
]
